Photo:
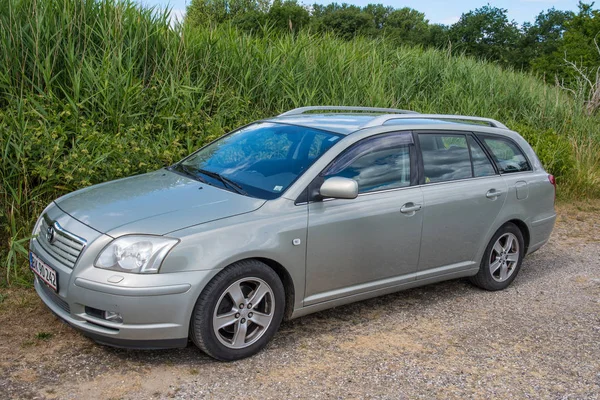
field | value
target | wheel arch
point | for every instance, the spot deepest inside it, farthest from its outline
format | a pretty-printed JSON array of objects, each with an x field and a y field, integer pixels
[
  {"x": 286, "y": 279},
  {"x": 524, "y": 230}
]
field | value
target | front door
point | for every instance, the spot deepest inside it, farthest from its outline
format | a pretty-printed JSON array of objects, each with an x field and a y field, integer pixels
[{"x": 366, "y": 243}]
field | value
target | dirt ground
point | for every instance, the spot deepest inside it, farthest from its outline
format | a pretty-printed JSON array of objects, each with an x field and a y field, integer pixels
[{"x": 538, "y": 339}]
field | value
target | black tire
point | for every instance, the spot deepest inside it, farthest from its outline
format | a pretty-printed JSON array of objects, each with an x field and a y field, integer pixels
[
  {"x": 484, "y": 278},
  {"x": 201, "y": 324}
]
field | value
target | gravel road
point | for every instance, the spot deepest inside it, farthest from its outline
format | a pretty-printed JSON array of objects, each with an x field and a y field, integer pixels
[{"x": 538, "y": 339}]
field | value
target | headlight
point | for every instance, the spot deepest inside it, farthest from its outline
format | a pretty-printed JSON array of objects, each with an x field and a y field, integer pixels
[
  {"x": 136, "y": 254},
  {"x": 36, "y": 227}
]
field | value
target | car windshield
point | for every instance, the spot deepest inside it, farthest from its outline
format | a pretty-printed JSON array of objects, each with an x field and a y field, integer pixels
[{"x": 261, "y": 160}]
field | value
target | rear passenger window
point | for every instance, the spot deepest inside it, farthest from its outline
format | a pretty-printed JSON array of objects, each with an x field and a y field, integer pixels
[
  {"x": 445, "y": 157},
  {"x": 377, "y": 163},
  {"x": 482, "y": 166},
  {"x": 507, "y": 155}
]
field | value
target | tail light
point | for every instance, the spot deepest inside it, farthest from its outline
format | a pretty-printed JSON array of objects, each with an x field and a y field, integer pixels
[{"x": 552, "y": 180}]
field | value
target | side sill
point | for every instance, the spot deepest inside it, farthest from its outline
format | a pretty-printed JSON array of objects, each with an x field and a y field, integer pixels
[
  {"x": 394, "y": 281},
  {"x": 380, "y": 292}
]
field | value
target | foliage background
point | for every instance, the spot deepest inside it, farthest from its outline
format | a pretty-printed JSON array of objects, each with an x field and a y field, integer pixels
[
  {"x": 540, "y": 46},
  {"x": 94, "y": 90}
]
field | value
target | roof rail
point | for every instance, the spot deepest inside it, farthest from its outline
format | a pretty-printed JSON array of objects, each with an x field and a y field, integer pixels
[
  {"x": 302, "y": 110},
  {"x": 389, "y": 117}
]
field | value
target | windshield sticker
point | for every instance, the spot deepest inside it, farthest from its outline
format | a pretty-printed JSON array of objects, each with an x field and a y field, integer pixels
[
  {"x": 277, "y": 188},
  {"x": 333, "y": 138}
]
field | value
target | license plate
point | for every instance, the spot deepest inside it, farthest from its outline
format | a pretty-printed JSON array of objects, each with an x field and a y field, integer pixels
[{"x": 44, "y": 271}]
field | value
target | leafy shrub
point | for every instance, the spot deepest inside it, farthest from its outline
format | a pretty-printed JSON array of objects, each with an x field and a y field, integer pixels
[
  {"x": 554, "y": 151},
  {"x": 94, "y": 90}
]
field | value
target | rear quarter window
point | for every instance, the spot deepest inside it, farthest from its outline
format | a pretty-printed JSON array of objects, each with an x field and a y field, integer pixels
[{"x": 507, "y": 154}]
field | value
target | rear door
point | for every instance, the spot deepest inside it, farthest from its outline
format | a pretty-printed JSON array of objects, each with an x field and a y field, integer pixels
[
  {"x": 462, "y": 194},
  {"x": 363, "y": 244}
]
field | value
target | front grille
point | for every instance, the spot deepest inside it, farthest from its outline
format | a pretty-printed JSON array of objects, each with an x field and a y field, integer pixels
[
  {"x": 55, "y": 298},
  {"x": 63, "y": 246}
]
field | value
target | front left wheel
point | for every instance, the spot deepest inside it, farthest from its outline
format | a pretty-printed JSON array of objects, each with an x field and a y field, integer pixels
[{"x": 239, "y": 311}]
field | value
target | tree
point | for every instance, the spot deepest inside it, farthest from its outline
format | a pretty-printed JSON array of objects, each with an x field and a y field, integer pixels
[
  {"x": 202, "y": 12},
  {"x": 544, "y": 38},
  {"x": 565, "y": 43},
  {"x": 580, "y": 37},
  {"x": 487, "y": 33},
  {"x": 438, "y": 36},
  {"x": 251, "y": 21},
  {"x": 379, "y": 14},
  {"x": 345, "y": 20},
  {"x": 407, "y": 26},
  {"x": 288, "y": 15}
]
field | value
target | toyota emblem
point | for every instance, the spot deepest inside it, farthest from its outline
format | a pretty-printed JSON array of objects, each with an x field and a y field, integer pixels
[{"x": 50, "y": 234}]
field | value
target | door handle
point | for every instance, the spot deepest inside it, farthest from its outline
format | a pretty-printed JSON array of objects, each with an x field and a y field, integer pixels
[
  {"x": 493, "y": 193},
  {"x": 410, "y": 208}
]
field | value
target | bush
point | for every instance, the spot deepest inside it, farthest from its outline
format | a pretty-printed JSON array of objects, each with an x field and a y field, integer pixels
[
  {"x": 94, "y": 90},
  {"x": 554, "y": 151}
]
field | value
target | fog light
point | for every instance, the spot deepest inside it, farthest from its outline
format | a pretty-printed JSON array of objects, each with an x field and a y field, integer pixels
[{"x": 113, "y": 316}]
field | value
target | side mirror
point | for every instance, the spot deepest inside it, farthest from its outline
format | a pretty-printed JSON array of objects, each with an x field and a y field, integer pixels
[{"x": 339, "y": 188}]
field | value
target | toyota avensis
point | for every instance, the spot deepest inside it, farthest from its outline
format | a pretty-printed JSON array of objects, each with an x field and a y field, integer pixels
[{"x": 318, "y": 207}]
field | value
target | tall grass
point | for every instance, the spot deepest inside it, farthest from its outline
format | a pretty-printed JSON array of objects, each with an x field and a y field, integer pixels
[{"x": 93, "y": 90}]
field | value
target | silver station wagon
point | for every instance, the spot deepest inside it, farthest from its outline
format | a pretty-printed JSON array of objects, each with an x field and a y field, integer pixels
[{"x": 315, "y": 208}]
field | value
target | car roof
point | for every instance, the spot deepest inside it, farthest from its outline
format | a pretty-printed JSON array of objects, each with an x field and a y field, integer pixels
[
  {"x": 335, "y": 122},
  {"x": 347, "y": 123}
]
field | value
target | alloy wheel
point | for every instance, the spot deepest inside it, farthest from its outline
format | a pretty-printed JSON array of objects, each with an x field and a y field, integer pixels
[
  {"x": 243, "y": 313},
  {"x": 504, "y": 257}
]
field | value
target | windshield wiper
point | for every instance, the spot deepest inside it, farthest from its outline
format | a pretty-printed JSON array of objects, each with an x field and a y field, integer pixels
[
  {"x": 226, "y": 181},
  {"x": 191, "y": 172}
]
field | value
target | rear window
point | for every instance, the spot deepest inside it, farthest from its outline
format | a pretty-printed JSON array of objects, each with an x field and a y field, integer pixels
[
  {"x": 507, "y": 155},
  {"x": 445, "y": 157}
]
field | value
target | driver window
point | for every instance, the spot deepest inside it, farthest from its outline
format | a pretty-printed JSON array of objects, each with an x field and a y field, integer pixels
[{"x": 377, "y": 163}]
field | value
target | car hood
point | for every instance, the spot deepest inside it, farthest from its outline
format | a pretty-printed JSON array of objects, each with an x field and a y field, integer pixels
[{"x": 154, "y": 203}]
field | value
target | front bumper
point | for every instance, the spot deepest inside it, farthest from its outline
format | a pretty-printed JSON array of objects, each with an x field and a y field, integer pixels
[
  {"x": 101, "y": 334},
  {"x": 156, "y": 308}
]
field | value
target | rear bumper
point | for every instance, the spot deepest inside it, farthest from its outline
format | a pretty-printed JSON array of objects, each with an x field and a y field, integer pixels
[{"x": 540, "y": 232}]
